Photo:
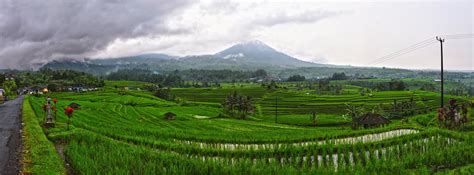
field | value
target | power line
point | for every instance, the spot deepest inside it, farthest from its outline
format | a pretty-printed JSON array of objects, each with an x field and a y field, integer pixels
[
  {"x": 458, "y": 36},
  {"x": 417, "y": 46},
  {"x": 404, "y": 51},
  {"x": 455, "y": 35}
]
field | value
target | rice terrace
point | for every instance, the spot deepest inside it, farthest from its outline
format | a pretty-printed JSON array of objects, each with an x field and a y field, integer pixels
[{"x": 124, "y": 87}]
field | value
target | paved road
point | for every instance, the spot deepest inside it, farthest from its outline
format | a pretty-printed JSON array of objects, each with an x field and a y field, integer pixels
[{"x": 10, "y": 136}]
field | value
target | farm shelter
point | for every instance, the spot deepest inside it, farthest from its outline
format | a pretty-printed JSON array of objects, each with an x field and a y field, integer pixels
[
  {"x": 170, "y": 116},
  {"x": 372, "y": 119},
  {"x": 74, "y": 105}
]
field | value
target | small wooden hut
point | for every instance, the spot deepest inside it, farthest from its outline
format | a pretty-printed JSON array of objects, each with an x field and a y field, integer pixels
[
  {"x": 74, "y": 105},
  {"x": 170, "y": 116},
  {"x": 372, "y": 119}
]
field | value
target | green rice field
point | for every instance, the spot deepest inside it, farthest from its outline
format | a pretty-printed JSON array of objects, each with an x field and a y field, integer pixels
[{"x": 118, "y": 131}]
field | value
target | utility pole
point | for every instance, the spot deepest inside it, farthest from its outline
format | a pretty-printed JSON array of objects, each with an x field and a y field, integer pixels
[
  {"x": 441, "y": 41},
  {"x": 276, "y": 109}
]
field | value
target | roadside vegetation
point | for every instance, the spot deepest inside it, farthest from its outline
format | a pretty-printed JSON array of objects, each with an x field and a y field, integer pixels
[{"x": 39, "y": 155}]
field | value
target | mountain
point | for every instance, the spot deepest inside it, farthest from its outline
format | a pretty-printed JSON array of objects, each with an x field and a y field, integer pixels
[
  {"x": 250, "y": 55},
  {"x": 257, "y": 52}
]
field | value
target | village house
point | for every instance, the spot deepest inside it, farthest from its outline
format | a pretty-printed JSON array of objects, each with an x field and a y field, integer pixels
[
  {"x": 38, "y": 90},
  {"x": 2, "y": 92},
  {"x": 372, "y": 120}
]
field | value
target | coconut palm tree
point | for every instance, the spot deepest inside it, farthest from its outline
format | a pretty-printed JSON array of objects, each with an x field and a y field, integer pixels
[
  {"x": 354, "y": 112},
  {"x": 236, "y": 104}
]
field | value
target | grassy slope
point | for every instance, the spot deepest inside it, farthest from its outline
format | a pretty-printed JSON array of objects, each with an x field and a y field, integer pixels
[
  {"x": 110, "y": 135},
  {"x": 39, "y": 155}
]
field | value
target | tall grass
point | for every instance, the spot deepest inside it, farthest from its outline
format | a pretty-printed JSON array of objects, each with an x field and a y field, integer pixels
[{"x": 39, "y": 155}]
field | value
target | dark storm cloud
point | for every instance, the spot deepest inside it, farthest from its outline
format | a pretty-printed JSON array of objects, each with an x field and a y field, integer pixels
[{"x": 35, "y": 31}]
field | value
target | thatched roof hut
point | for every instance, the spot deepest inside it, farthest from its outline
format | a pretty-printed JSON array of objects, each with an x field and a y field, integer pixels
[
  {"x": 74, "y": 105},
  {"x": 170, "y": 116},
  {"x": 372, "y": 119}
]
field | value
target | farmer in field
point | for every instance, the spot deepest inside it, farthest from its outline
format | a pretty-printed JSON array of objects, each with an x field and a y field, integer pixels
[
  {"x": 55, "y": 109},
  {"x": 464, "y": 113},
  {"x": 68, "y": 111},
  {"x": 48, "y": 99},
  {"x": 441, "y": 117},
  {"x": 47, "y": 109}
]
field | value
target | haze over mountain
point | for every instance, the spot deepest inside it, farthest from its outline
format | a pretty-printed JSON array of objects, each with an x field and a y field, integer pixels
[{"x": 249, "y": 55}]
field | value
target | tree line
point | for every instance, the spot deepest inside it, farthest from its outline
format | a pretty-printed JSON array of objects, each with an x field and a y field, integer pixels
[
  {"x": 187, "y": 78},
  {"x": 53, "y": 79}
]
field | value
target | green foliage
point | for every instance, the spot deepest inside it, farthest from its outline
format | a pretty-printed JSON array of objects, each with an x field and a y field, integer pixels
[
  {"x": 56, "y": 78},
  {"x": 354, "y": 112},
  {"x": 238, "y": 105},
  {"x": 164, "y": 93},
  {"x": 10, "y": 87},
  {"x": 181, "y": 78},
  {"x": 39, "y": 155},
  {"x": 339, "y": 76},
  {"x": 136, "y": 75},
  {"x": 295, "y": 78},
  {"x": 425, "y": 120}
]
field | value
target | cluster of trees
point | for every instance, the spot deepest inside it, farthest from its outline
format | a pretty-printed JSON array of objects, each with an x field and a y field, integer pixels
[
  {"x": 225, "y": 75},
  {"x": 164, "y": 93},
  {"x": 9, "y": 86},
  {"x": 51, "y": 78},
  {"x": 188, "y": 78},
  {"x": 237, "y": 105},
  {"x": 169, "y": 80},
  {"x": 201, "y": 84},
  {"x": 392, "y": 85},
  {"x": 335, "y": 76},
  {"x": 339, "y": 76},
  {"x": 461, "y": 90},
  {"x": 295, "y": 78},
  {"x": 324, "y": 85},
  {"x": 271, "y": 86},
  {"x": 427, "y": 87},
  {"x": 404, "y": 108},
  {"x": 160, "y": 91},
  {"x": 61, "y": 78}
]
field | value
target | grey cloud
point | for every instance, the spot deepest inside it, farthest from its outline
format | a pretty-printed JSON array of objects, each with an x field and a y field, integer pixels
[
  {"x": 35, "y": 31},
  {"x": 282, "y": 17},
  {"x": 220, "y": 7}
]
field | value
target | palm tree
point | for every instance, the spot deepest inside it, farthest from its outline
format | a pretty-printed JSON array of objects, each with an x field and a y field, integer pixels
[
  {"x": 354, "y": 112},
  {"x": 238, "y": 104}
]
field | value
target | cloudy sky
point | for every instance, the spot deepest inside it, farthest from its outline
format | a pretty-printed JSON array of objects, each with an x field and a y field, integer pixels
[{"x": 343, "y": 32}]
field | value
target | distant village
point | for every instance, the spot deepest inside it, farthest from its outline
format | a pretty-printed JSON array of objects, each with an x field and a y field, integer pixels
[{"x": 13, "y": 84}]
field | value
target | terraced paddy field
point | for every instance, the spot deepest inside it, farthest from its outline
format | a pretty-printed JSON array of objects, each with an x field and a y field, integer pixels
[{"x": 125, "y": 133}]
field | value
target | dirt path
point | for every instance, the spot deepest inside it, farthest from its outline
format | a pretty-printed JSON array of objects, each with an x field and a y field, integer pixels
[{"x": 10, "y": 136}]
